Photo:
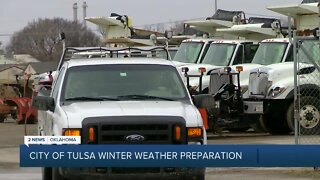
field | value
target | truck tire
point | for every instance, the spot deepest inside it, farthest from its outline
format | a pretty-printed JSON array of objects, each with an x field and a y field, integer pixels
[
  {"x": 46, "y": 173},
  {"x": 56, "y": 175},
  {"x": 290, "y": 116},
  {"x": 200, "y": 176},
  {"x": 276, "y": 124},
  {"x": 259, "y": 125},
  {"x": 309, "y": 115}
]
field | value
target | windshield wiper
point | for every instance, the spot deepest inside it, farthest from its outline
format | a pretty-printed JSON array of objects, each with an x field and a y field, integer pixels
[
  {"x": 87, "y": 98},
  {"x": 139, "y": 96}
]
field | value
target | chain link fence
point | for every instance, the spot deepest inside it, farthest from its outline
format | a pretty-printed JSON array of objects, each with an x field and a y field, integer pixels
[{"x": 307, "y": 90}]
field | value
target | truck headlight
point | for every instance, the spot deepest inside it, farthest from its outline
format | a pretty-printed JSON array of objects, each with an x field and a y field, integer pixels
[
  {"x": 195, "y": 135},
  {"x": 195, "y": 132},
  {"x": 276, "y": 91}
]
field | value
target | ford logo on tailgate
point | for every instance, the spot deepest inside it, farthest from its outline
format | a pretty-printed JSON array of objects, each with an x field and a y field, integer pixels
[{"x": 134, "y": 138}]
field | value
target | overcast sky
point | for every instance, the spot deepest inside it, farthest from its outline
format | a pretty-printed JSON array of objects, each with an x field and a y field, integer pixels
[{"x": 15, "y": 14}]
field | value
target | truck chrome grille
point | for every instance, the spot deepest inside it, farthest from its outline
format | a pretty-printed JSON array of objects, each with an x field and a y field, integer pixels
[{"x": 258, "y": 84}]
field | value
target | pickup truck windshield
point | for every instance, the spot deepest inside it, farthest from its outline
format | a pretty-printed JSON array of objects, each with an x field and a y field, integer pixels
[
  {"x": 123, "y": 82},
  {"x": 270, "y": 53},
  {"x": 219, "y": 54},
  {"x": 188, "y": 52}
]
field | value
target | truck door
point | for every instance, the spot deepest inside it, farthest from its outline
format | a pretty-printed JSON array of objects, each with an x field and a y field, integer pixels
[{"x": 48, "y": 122}]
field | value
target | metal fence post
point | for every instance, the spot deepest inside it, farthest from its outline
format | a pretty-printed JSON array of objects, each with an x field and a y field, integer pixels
[{"x": 295, "y": 99}]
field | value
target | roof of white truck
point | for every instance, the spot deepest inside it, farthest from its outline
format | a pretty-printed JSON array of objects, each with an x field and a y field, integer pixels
[
  {"x": 100, "y": 61},
  {"x": 286, "y": 40},
  {"x": 199, "y": 40},
  {"x": 295, "y": 9},
  {"x": 234, "y": 41}
]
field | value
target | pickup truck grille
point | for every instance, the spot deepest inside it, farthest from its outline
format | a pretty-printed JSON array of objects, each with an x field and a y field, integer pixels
[
  {"x": 156, "y": 133},
  {"x": 258, "y": 84},
  {"x": 121, "y": 130}
]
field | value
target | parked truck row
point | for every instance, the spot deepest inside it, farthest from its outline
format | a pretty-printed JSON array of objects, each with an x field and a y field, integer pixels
[
  {"x": 264, "y": 97},
  {"x": 237, "y": 83}
]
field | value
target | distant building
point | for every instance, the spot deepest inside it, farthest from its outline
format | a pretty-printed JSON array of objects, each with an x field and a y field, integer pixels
[
  {"x": 9, "y": 72},
  {"x": 36, "y": 68},
  {"x": 18, "y": 59}
]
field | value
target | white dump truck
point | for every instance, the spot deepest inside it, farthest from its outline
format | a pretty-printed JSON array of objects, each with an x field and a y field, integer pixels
[
  {"x": 276, "y": 101},
  {"x": 271, "y": 93},
  {"x": 192, "y": 51},
  {"x": 222, "y": 53},
  {"x": 233, "y": 105}
]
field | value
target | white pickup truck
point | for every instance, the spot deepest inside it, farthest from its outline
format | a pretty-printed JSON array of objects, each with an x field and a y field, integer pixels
[{"x": 138, "y": 96}]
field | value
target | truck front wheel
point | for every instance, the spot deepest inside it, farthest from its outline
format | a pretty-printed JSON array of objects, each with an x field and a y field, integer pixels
[
  {"x": 199, "y": 176},
  {"x": 56, "y": 175},
  {"x": 309, "y": 113},
  {"x": 46, "y": 173},
  {"x": 258, "y": 124}
]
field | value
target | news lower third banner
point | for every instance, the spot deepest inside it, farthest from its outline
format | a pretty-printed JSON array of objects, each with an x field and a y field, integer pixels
[{"x": 170, "y": 156}]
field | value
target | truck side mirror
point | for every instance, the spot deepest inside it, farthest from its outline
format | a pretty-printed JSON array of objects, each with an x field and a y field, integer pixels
[
  {"x": 45, "y": 91},
  {"x": 43, "y": 103}
]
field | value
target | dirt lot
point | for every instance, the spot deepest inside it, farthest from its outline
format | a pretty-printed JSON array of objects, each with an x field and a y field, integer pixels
[{"x": 11, "y": 136}]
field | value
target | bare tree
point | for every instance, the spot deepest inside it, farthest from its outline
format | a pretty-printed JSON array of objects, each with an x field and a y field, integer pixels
[
  {"x": 41, "y": 38},
  {"x": 177, "y": 28}
]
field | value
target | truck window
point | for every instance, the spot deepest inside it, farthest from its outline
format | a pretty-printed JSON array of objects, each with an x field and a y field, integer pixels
[
  {"x": 219, "y": 54},
  {"x": 270, "y": 53},
  {"x": 189, "y": 52},
  {"x": 250, "y": 51},
  {"x": 116, "y": 81}
]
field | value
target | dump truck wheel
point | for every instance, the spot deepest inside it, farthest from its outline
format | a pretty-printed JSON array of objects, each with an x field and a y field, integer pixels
[
  {"x": 46, "y": 173},
  {"x": 259, "y": 125},
  {"x": 309, "y": 116}
]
